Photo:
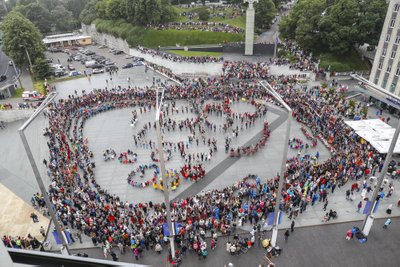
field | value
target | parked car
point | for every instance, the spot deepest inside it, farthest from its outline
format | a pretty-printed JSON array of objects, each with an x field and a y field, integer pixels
[
  {"x": 54, "y": 49},
  {"x": 127, "y": 66},
  {"x": 74, "y": 73},
  {"x": 138, "y": 63},
  {"x": 118, "y": 52},
  {"x": 57, "y": 72},
  {"x": 102, "y": 46},
  {"x": 96, "y": 71},
  {"x": 112, "y": 50},
  {"x": 32, "y": 96},
  {"x": 96, "y": 66},
  {"x": 90, "y": 63},
  {"x": 138, "y": 59},
  {"x": 111, "y": 68}
]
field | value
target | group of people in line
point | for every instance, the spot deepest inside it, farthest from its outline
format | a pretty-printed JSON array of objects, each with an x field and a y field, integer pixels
[{"x": 87, "y": 208}]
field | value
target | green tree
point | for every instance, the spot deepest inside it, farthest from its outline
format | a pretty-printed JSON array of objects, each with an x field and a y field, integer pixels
[
  {"x": 204, "y": 14},
  {"x": 114, "y": 9},
  {"x": 148, "y": 11},
  {"x": 88, "y": 14},
  {"x": 339, "y": 26},
  {"x": 334, "y": 26},
  {"x": 302, "y": 24},
  {"x": 265, "y": 13},
  {"x": 41, "y": 68},
  {"x": 20, "y": 34},
  {"x": 63, "y": 19},
  {"x": 38, "y": 15}
]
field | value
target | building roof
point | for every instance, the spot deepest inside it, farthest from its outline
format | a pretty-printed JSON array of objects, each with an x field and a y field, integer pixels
[
  {"x": 64, "y": 38},
  {"x": 376, "y": 132}
]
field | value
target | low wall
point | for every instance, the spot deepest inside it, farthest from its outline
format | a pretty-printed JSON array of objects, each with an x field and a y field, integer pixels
[
  {"x": 176, "y": 67},
  {"x": 180, "y": 67},
  {"x": 15, "y": 115},
  {"x": 105, "y": 39}
]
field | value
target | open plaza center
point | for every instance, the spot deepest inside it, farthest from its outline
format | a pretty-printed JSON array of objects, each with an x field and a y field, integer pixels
[{"x": 160, "y": 153}]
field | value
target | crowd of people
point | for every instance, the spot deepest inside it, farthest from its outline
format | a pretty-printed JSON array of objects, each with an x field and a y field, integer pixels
[
  {"x": 198, "y": 26},
  {"x": 85, "y": 206},
  {"x": 177, "y": 58}
]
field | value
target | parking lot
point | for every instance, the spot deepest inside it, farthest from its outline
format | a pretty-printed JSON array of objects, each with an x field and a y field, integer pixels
[{"x": 105, "y": 56}]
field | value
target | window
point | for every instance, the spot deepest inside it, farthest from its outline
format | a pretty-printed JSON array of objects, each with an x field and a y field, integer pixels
[
  {"x": 380, "y": 65},
  {"x": 389, "y": 68},
  {"x": 393, "y": 54},
  {"x": 398, "y": 71},
  {"x": 396, "y": 7},
  {"x": 392, "y": 23},
  {"x": 397, "y": 41},
  {"x": 384, "y": 52},
  {"x": 387, "y": 38}
]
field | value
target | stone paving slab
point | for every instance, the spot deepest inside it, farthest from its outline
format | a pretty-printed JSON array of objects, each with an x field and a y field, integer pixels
[
  {"x": 323, "y": 245},
  {"x": 15, "y": 216}
]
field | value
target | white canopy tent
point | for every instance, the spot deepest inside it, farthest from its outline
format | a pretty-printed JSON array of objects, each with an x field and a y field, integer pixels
[{"x": 376, "y": 132}]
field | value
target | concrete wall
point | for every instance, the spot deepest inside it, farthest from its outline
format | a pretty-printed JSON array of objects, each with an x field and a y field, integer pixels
[
  {"x": 176, "y": 67},
  {"x": 105, "y": 39},
  {"x": 15, "y": 115}
]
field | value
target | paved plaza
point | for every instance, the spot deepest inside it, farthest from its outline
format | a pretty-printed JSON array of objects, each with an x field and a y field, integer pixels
[
  {"x": 113, "y": 130},
  {"x": 318, "y": 246}
]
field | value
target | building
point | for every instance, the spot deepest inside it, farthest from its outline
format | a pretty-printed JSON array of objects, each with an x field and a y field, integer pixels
[
  {"x": 67, "y": 39},
  {"x": 386, "y": 68}
]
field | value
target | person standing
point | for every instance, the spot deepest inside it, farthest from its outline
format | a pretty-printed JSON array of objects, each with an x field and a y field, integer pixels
[
  {"x": 292, "y": 226},
  {"x": 359, "y": 206},
  {"x": 333, "y": 187},
  {"x": 79, "y": 236},
  {"x": 326, "y": 204},
  {"x": 387, "y": 223},
  {"x": 287, "y": 234},
  {"x": 42, "y": 231}
]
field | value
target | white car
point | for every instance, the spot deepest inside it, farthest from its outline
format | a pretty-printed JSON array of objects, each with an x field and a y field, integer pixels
[
  {"x": 96, "y": 71},
  {"x": 32, "y": 96}
]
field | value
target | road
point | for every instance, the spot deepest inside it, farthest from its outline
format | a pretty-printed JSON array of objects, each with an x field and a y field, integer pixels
[
  {"x": 5, "y": 69},
  {"x": 309, "y": 246}
]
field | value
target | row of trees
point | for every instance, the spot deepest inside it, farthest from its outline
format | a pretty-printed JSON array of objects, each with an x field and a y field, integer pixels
[
  {"x": 50, "y": 16},
  {"x": 143, "y": 12},
  {"x": 22, "y": 37},
  {"x": 139, "y": 12},
  {"x": 334, "y": 26}
]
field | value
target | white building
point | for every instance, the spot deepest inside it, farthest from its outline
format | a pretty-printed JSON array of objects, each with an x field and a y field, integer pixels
[{"x": 386, "y": 68}]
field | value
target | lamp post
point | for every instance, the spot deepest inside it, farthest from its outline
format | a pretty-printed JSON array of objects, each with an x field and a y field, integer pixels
[
  {"x": 380, "y": 93},
  {"x": 163, "y": 171},
  {"x": 277, "y": 211},
  {"x": 60, "y": 232}
]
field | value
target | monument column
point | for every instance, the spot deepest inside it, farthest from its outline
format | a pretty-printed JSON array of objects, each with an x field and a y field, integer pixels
[{"x": 249, "y": 39}]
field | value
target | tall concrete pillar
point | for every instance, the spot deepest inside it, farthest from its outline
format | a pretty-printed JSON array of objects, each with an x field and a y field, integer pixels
[{"x": 249, "y": 39}]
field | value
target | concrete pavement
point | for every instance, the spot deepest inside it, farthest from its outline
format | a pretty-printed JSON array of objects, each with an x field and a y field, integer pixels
[{"x": 318, "y": 246}]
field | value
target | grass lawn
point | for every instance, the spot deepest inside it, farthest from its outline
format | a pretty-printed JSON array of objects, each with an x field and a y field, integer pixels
[
  {"x": 136, "y": 35},
  {"x": 18, "y": 92},
  {"x": 195, "y": 53},
  {"x": 237, "y": 22},
  {"x": 39, "y": 87},
  {"x": 343, "y": 63}
]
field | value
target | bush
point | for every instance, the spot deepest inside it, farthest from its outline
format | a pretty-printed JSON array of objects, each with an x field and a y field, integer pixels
[{"x": 204, "y": 14}]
